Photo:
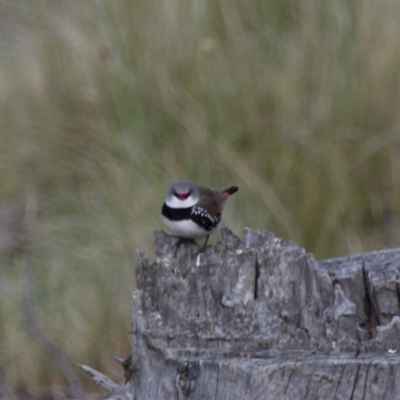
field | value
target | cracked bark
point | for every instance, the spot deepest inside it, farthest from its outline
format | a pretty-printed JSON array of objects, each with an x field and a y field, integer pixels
[{"x": 261, "y": 318}]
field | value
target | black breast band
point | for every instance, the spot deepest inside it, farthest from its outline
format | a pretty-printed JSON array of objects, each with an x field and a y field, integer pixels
[{"x": 176, "y": 214}]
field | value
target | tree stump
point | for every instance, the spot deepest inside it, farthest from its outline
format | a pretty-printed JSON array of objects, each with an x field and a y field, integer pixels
[{"x": 259, "y": 318}]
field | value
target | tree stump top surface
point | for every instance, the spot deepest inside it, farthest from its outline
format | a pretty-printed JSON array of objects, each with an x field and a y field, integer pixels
[{"x": 263, "y": 313}]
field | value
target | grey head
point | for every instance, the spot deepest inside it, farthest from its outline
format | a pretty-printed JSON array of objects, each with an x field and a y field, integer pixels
[{"x": 182, "y": 193}]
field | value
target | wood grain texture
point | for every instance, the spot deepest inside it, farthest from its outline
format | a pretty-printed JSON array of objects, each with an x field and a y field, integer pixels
[{"x": 259, "y": 318}]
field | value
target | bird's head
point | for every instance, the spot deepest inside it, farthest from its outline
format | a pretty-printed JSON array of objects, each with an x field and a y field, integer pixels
[{"x": 182, "y": 193}]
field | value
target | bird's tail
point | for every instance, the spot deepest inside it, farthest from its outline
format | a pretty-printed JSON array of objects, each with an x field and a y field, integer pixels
[{"x": 230, "y": 190}]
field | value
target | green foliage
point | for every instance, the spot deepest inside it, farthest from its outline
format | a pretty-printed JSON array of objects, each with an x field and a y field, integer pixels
[{"x": 104, "y": 103}]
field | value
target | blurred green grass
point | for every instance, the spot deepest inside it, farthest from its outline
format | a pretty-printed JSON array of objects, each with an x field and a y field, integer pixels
[{"x": 104, "y": 103}]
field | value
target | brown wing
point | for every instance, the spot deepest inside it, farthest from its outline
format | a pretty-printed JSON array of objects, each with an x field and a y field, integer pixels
[{"x": 212, "y": 200}]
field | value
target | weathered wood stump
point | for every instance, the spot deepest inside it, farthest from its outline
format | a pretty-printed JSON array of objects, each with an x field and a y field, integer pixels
[{"x": 259, "y": 318}]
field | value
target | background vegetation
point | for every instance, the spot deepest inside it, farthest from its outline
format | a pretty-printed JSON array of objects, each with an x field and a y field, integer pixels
[{"x": 103, "y": 103}]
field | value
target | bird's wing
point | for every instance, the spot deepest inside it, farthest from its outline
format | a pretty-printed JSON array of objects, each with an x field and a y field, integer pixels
[{"x": 212, "y": 200}]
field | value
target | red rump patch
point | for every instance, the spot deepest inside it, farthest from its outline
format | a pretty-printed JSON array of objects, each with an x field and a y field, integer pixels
[{"x": 230, "y": 190}]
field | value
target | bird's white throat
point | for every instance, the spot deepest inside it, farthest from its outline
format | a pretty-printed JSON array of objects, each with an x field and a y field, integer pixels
[{"x": 174, "y": 202}]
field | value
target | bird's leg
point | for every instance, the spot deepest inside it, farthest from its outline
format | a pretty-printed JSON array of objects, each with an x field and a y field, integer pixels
[
  {"x": 202, "y": 248},
  {"x": 205, "y": 243},
  {"x": 180, "y": 242}
]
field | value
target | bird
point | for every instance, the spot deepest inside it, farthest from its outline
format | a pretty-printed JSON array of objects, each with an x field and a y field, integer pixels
[{"x": 193, "y": 212}]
